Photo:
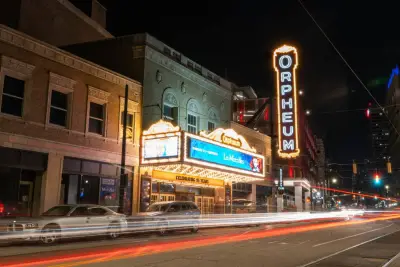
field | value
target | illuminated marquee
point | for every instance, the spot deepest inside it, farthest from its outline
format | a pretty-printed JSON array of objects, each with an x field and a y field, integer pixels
[
  {"x": 228, "y": 137},
  {"x": 161, "y": 143},
  {"x": 285, "y": 64}
]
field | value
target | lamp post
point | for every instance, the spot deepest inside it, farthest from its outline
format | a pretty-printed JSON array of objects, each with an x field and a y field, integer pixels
[
  {"x": 387, "y": 190},
  {"x": 123, "y": 181}
]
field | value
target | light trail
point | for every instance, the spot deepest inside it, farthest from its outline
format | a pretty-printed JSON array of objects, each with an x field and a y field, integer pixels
[
  {"x": 136, "y": 224},
  {"x": 354, "y": 193},
  {"x": 159, "y": 247}
]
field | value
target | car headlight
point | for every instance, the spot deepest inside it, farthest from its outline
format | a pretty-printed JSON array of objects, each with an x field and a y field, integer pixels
[{"x": 31, "y": 225}]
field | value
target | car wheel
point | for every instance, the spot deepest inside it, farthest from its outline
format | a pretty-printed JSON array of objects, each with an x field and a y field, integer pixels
[
  {"x": 50, "y": 234},
  {"x": 195, "y": 229},
  {"x": 114, "y": 230},
  {"x": 162, "y": 228}
]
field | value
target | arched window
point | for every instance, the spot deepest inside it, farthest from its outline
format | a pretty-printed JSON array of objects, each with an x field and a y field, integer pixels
[
  {"x": 213, "y": 119},
  {"x": 170, "y": 107},
  {"x": 193, "y": 116}
]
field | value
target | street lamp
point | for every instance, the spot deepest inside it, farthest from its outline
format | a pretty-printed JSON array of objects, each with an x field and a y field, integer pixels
[
  {"x": 334, "y": 181},
  {"x": 387, "y": 187},
  {"x": 301, "y": 92},
  {"x": 308, "y": 112}
]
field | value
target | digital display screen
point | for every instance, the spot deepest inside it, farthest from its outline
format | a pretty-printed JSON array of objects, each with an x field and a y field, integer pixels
[
  {"x": 159, "y": 148},
  {"x": 208, "y": 152}
]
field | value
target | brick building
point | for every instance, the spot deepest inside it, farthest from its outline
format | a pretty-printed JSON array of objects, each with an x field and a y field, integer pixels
[{"x": 60, "y": 127}]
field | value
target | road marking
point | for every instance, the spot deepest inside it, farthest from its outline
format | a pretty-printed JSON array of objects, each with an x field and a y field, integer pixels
[
  {"x": 272, "y": 242},
  {"x": 350, "y": 236},
  {"x": 346, "y": 249},
  {"x": 392, "y": 260},
  {"x": 303, "y": 242}
]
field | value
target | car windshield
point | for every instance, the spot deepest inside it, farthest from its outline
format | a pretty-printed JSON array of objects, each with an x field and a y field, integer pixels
[
  {"x": 157, "y": 207},
  {"x": 58, "y": 211}
]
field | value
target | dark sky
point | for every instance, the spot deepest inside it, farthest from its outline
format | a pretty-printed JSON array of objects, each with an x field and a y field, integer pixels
[{"x": 240, "y": 36}]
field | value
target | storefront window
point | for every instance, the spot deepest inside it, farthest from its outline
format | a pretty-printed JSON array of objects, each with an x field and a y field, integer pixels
[
  {"x": 154, "y": 187},
  {"x": 89, "y": 190},
  {"x": 109, "y": 193},
  {"x": 167, "y": 188}
]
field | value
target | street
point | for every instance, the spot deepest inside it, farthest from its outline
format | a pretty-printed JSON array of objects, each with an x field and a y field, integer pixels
[{"x": 368, "y": 241}]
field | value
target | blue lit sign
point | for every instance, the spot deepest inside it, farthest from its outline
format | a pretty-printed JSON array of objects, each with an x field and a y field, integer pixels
[
  {"x": 212, "y": 153},
  {"x": 395, "y": 72}
]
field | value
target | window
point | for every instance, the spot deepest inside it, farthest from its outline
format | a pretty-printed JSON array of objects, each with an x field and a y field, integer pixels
[
  {"x": 97, "y": 211},
  {"x": 168, "y": 112},
  {"x": 80, "y": 211},
  {"x": 96, "y": 118},
  {"x": 129, "y": 125},
  {"x": 13, "y": 96},
  {"x": 211, "y": 126},
  {"x": 59, "y": 108},
  {"x": 192, "y": 124}
]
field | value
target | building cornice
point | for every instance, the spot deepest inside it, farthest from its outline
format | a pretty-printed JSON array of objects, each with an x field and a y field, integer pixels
[
  {"x": 168, "y": 63},
  {"x": 85, "y": 18},
  {"x": 13, "y": 37}
]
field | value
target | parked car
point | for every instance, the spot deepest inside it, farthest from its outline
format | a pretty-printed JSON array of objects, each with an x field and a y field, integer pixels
[
  {"x": 243, "y": 206},
  {"x": 173, "y": 215},
  {"x": 68, "y": 221}
]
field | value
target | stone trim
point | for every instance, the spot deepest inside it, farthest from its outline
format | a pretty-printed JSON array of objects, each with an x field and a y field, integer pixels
[
  {"x": 17, "y": 66},
  {"x": 159, "y": 58},
  {"x": 61, "y": 82},
  {"x": 85, "y": 18},
  {"x": 53, "y": 53},
  {"x": 98, "y": 94}
]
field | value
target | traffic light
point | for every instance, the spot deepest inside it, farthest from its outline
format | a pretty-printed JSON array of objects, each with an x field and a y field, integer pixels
[
  {"x": 377, "y": 179},
  {"x": 354, "y": 167},
  {"x": 389, "y": 167}
]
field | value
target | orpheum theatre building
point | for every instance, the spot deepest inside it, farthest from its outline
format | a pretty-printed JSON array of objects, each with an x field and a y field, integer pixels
[{"x": 177, "y": 165}]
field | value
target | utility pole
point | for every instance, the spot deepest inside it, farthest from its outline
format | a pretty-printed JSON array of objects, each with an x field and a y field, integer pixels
[{"x": 124, "y": 176}]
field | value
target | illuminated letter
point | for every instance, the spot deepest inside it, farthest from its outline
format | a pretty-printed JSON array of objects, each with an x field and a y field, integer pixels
[
  {"x": 287, "y": 117},
  {"x": 286, "y": 89},
  {"x": 289, "y": 103},
  {"x": 286, "y": 76},
  {"x": 288, "y": 64},
  {"x": 285, "y": 133},
  {"x": 288, "y": 145}
]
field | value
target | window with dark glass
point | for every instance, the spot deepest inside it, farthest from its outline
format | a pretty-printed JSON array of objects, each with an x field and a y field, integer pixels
[
  {"x": 168, "y": 112},
  {"x": 13, "y": 96},
  {"x": 96, "y": 118},
  {"x": 59, "y": 108},
  {"x": 211, "y": 126}
]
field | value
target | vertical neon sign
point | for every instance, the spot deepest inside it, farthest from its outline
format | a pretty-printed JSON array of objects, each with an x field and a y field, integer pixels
[{"x": 285, "y": 64}]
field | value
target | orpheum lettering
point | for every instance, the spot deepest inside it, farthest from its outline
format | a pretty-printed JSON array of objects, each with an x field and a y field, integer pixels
[{"x": 285, "y": 63}]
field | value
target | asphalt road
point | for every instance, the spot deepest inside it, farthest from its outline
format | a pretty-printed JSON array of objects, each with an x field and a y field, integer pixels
[{"x": 360, "y": 242}]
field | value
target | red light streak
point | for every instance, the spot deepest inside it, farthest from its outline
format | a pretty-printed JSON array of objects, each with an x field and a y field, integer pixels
[
  {"x": 353, "y": 193},
  {"x": 159, "y": 247}
]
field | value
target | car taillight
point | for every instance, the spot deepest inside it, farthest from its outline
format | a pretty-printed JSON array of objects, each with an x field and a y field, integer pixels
[{"x": 1, "y": 207}]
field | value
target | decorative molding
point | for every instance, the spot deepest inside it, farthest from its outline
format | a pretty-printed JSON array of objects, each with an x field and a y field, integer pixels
[
  {"x": 17, "y": 66},
  {"x": 192, "y": 106},
  {"x": 53, "y": 53},
  {"x": 183, "y": 88},
  {"x": 132, "y": 105},
  {"x": 159, "y": 58},
  {"x": 98, "y": 94},
  {"x": 213, "y": 115},
  {"x": 138, "y": 51},
  {"x": 159, "y": 76},
  {"x": 205, "y": 96},
  {"x": 62, "y": 81},
  {"x": 161, "y": 127},
  {"x": 171, "y": 99}
]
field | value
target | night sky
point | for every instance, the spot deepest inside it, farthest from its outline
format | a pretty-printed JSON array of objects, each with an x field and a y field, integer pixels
[{"x": 238, "y": 37}]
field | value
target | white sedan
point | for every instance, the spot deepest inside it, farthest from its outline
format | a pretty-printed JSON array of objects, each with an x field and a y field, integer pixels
[{"x": 68, "y": 221}]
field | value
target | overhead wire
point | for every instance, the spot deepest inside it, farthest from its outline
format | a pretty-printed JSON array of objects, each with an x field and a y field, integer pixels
[{"x": 347, "y": 64}]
